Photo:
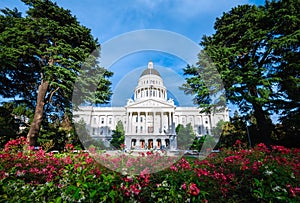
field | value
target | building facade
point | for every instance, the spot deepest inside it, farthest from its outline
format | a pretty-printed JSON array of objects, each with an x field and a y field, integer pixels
[{"x": 149, "y": 118}]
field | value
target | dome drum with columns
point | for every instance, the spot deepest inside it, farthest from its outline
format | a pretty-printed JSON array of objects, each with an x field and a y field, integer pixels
[
  {"x": 150, "y": 114},
  {"x": 150, "y": 118}
]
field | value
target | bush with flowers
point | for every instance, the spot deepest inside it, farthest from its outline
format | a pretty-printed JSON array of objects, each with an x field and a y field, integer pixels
[{"x": 238, "y": 174}]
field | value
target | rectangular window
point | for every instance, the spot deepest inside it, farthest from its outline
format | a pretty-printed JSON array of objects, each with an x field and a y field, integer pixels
[
  {"x": 150, "y": 129},
  {"x": 102, "y": 120},
  {"x": 110, "y": 121}
]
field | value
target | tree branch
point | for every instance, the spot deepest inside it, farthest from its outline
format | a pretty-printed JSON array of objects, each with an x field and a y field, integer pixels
[{"x": 49, "y": 99}]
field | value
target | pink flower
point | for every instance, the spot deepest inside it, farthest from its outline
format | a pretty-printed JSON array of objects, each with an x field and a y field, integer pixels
[
  {"x": 122, "y": 146},
  {"x": 281, "y": 149},
  {"x": 293, "y": 191},
  {"x": 134, "y": 189},
  {"x": 69, "y": 147},
  {"x": 262, "y": 147},
  {"x": 238, "y": 142},
  {"x": 256, "y": 165},
  {"x": 173, "y": 168},
  {"x": 183, "y": 186},
  {"x": 149, "y": 153},
  {"x": 193, "y": 189},
  {"x": 16, "y": 144},
  {"x": 201, "y": 172},
  {"x": 183, "y": 164}
]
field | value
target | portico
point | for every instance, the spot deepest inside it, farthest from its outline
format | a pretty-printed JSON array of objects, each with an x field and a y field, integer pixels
[{"x": 150, "y": 114}]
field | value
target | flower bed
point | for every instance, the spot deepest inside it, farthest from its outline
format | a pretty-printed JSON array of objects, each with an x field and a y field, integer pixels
[{"x": 233, "y": 175}]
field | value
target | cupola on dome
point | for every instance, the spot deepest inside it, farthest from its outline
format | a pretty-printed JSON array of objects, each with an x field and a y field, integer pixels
[{"x": 150, "y": 70}]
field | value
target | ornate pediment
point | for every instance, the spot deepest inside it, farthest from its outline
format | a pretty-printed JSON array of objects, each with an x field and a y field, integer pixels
[{"x": 151, "y": 103}]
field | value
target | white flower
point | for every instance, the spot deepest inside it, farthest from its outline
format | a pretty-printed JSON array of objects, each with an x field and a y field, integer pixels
[
  {"x": 277, "y": 188},
  {"x": 292, "y": 175},
  {"x": 267, "y": 172},
  {"x": 165, "y": 183}
]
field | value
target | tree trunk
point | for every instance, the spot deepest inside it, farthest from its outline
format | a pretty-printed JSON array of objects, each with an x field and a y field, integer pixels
[
  {"x": 38, "y": 114},
  {"x": 263, "y": 124}
]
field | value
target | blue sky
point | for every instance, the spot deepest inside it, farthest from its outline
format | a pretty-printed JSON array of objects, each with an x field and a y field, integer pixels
[{"x": 109, "y": 19}]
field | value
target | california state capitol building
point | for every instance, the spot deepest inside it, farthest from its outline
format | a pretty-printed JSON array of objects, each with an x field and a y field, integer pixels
[{"x": 149, "y": 118}]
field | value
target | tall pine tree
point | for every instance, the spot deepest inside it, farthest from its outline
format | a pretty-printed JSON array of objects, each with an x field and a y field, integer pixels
[
  {"x": 256, "y": 52},
  {"x": 41, "y": 56}
]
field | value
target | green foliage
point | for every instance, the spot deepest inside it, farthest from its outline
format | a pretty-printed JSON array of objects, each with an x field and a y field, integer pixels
[
  {"x": 118, "y": 136},
  {"x": 8, "y": 125},
  {"x": 232, "y": 175},
  {"x": 14, "y": 120},
  {"x": 83, "y": 137},
  {"x": 205, "y": 85},
  {"x": 256, "y": 54},
  {"x": 234, "y": 130},
  {"x": 48, "y": 55},
  {"x": 185, "y": 136},
  {"x": 204, "y": 144}
]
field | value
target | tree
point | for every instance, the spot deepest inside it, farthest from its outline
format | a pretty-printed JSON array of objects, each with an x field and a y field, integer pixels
[
  {"x": 234, "y": 130},
  {"x": 249, "y": 51},
  {"x": 42, "y": 55},
  {"x": 14, "y": 121},
  {"x": 185, "y": 136},
  {"x": 286, "y": 58},
  {"x": 118, "y": 136},
  {"x": 205, "y": 85},
  {"x": 8, "y": 124}
]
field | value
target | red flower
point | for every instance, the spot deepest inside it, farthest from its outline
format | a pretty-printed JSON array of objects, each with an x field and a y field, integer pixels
[
  {"x": 193, "y": 189},
  {"x": 262, "y": 147},
  {"x": 69, "y": 147},
  {"x": 281, "y": 149},
  {"x": 122, "y": 146},
  {"x": 173, "y": 168},
  {"x": 183, "y": 186}
]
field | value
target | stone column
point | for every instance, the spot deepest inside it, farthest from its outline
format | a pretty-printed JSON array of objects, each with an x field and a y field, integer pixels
[
  {"x": 163, "y": 143},
  {"x": 130, "y": 123},
  {"x": 128, "y": 142},
  {"x": 161, "y": 122},
  {"x": 172, "y": 123},
  {"x": 154, "y": 127},
  {"x": 169, "y": 122},
  {"x": 138, "y": 122},
  {"x": 128, "y": 117},
  {"x": 146, "y": 118}
]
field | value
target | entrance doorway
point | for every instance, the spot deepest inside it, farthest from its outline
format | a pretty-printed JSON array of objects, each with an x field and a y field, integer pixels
[{"x": 142, "y": 144}]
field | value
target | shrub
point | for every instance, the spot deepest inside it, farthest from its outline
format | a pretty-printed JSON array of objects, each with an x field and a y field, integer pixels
[{"x": 259, "y": 174}]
